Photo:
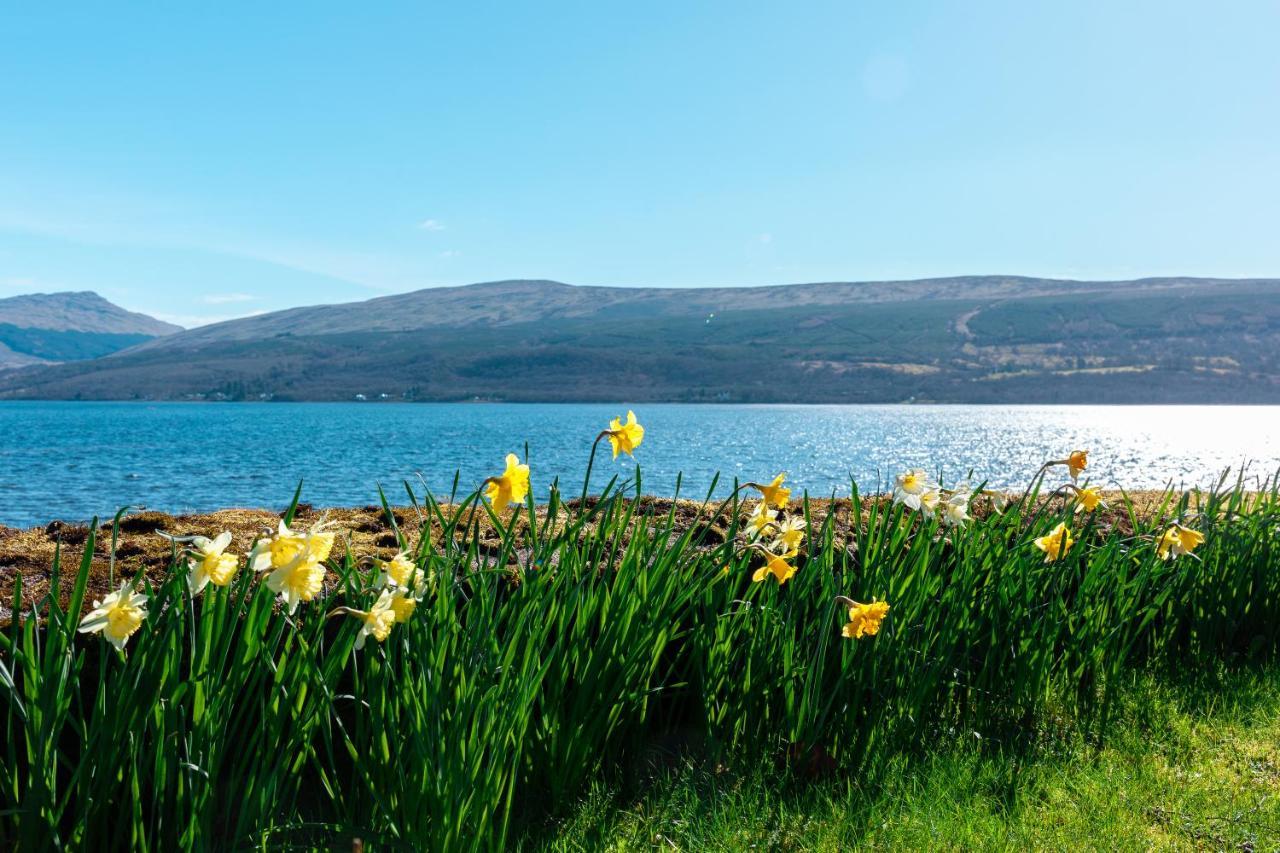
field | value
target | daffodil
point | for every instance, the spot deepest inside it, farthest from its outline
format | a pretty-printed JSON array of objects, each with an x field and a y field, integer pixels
[
  {"x": 403, "y": 604},
  {"x": 1055, "y": 543},
  {"x": 209, "y": 562},
  {"x": 511, "y": 487},
  {"x": 1089, "y": 499},
  {"x": 295, "y": 560},
  {"x": 999, "y": 501},
  {"x": 909, "y": 486},
  {"x": 761, "y": 520},
  {"x": 929, "y": 501},
  {"x": 776, "y": 565},
  {"x": 1178, "y": 540},
  {"x": 280, "y": 549},
  {"x": 1077, "y": 462},
  {"x": 625, "y": 437},
  {"x": 955, "y": 512},
  {"x": 117, "y": 616},
  {"x": 378, "y": 620},
  {"x": 299, "y": 581},
  {"x": 790, "y": 533},
  {"x": 864, "y": 619},
  {"x": 774, "y": 493},
  {"x": 397, "y": 571}
]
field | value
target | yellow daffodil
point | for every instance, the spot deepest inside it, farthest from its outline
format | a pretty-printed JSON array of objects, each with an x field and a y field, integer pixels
[
  {"x": 397, "y": 571},
  {"x": 1055, "y": 543},
  {"x": 1178, "y": 540},
  {"x": 864, "y": 619},
  {"x": 790, "y": 535},
  {"x": 280, "y": 549},
  {"x": 509, "y": 488},
  {"x": 775, "y": 565},
  {"x": 209, "y": 562},
  {"x": 625, "y": 437},
  {"x": 319, "y": 544},
  {"x": 296, "y": 582},
  {"x": 295, "y": 560},
  {"x": 377, "y": 620},
  {"x": 1077, "y": 462},
  {"x": 761, "y": 520},
  {"x": 117, "y": 616},
  {"x": 775, "y": 494},
  {"x": 402, "y": 605},
  {"x": 909, "y": 486},
  {"x": 1089, "y": 499}
]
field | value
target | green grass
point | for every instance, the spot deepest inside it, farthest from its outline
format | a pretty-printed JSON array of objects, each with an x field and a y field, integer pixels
[
  {"x": 556, "y": 648},
  {"x": 1184, "y": 768}
]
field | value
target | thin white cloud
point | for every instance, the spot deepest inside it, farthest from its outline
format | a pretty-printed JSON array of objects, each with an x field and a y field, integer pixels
[
  {"x": 765, "y": 238},
  {"x": 431, "y": 225},
  {"x": 226, "y": 298},
  {"x": 450, "y": 253}
]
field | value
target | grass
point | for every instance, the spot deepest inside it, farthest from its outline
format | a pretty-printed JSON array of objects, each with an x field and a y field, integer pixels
[
  {"x": 1185, "y": 767},
  {"x": 556, "y": 647}
]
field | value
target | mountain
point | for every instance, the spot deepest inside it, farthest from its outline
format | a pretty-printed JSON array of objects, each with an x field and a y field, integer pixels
[
  {"x": 44, "y": 328},
  {"x": 964, "y": 339}
]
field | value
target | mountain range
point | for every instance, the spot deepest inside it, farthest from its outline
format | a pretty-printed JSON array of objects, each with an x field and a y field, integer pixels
[
  {"x": 46, "y": 328},
  {"x": 981, "y": 339}
]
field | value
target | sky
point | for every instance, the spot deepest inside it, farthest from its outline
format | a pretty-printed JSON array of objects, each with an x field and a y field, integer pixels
[{"x": 205, "y": 161}]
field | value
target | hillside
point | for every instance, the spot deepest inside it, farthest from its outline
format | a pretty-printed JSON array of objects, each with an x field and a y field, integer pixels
[
  {"x": 42, "y": 328},
  {"x": 970, "y": 339}
]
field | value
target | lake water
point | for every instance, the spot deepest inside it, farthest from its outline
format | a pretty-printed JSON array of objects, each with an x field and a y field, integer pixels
[{"x": 72, "y": 460}]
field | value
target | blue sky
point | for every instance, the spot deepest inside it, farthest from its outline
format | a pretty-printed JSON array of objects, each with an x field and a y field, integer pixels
[{"x": 203, "y": 163}]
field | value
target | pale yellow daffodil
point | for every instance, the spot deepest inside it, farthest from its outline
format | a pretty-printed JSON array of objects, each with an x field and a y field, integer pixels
[
  {"x": 117, "y": 616},
  {"x": 209, "y": 563}
]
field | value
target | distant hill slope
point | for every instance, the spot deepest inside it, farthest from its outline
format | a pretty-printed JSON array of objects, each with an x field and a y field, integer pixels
[
  {"x": 42, "y": 328},
  {"x": 965, "y": 339}
]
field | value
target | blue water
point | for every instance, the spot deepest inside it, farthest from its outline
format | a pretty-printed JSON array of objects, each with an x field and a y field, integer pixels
[{"x": 72, "y": 460}]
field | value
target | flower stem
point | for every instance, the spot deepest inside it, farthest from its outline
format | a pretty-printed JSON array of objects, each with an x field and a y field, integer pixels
[{"x": 586, "y": 481}]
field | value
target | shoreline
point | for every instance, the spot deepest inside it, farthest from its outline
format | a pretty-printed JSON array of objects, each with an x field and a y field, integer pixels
[{"x": 28, "y": 553}]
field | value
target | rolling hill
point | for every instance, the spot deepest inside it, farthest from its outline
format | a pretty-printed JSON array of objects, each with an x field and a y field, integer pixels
[
  {"x": 964, "y": 339},
  {"x": 46, "y": 328}
]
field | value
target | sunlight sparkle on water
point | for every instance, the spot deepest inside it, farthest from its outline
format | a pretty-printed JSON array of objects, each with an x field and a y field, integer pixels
[{"x": 73, "y": 460}]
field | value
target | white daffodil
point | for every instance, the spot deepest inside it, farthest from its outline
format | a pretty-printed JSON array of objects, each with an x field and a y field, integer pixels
[
  {"x": 790, "y": 535},
  {"x": 955, "y": 511},
  {"x": 209, "y": 562},
  {"x": 117, "y": 616},
  {"x": 761, "y": 520},
  {"x": 909, "y": 486},
  {"x": 928, "y": 501}
]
